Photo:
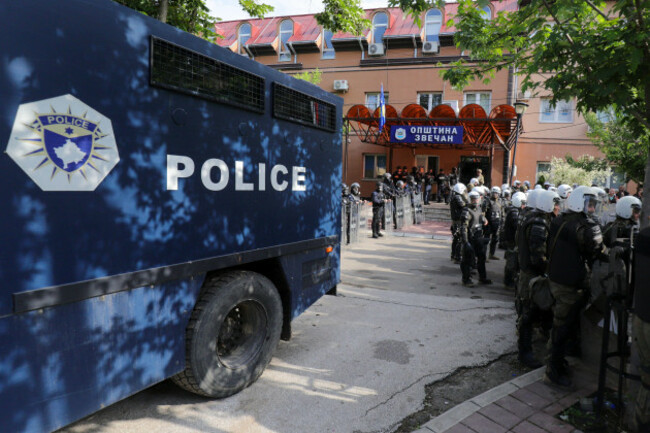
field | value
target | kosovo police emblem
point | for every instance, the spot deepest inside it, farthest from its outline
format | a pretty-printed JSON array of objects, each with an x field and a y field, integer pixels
[{"x": 63, "y": 144}]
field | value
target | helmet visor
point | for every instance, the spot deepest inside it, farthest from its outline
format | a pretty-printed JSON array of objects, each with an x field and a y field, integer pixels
[{"x": 591, "y": 205}]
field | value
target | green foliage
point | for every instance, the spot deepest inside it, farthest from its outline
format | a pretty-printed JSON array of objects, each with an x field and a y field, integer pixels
[
  {"x": 192, "y": 15},
  {"x": 343, "y": 15},
  {"x": 582, "y": 171},
  {"x": 189, "y": 15},
  {"x": 313, "y": 77},
  {"x": 620, "y": 144}
]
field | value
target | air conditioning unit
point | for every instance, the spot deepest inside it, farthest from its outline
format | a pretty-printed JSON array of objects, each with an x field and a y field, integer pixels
[
  {"x": 341, "y": 85},
  {"x": 376, "y": 49},
  {"x": 453, "y": 104},
  {"x": 431, "y": 47}
]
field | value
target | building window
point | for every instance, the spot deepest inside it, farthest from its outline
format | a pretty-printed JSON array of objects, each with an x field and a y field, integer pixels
[
  {"x": 487, "y": 12},
  {"x": 372, "y": 100},
  {"x": 328, "y": 49},
  {"x": 379, "y": 26},
  {"x": 480, "y": 98},
  {"x": 286, "y": 31},
  {"x": 243, "y": 36},
  {"x": 374, "y": 166},
  {"x": 432, "y": 24},
  {"x": 543, "y": 169},
  {"x": 429, "y": 100},
  {"x": 562, "y": 112}
]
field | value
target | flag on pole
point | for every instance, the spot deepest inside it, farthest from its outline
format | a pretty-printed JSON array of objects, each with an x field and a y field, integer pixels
[{"x": 382, "y": 109}]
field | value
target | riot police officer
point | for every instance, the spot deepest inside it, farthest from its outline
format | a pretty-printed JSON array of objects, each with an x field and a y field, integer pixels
[
  {"x": 509, "y": 231},
  {"x": 564, "y": 191},
  {"x": 345, "y": 204},
  {"x": 493, "y": 212},
  {"x": 377, "y": 200},
  {"x": 628, "y": 209},
  {"x": 533, "y": 244},
  {"x": 355, "y": 191},
  {"x": 472, "y": 222},
  {"x": 456, "y": 206},
  {"x": 578, "y": 242},
  {"x": 641, "y": 328}
]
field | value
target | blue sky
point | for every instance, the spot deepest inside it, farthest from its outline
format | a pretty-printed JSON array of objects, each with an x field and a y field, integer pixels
[{"x": 230, "y": 10}]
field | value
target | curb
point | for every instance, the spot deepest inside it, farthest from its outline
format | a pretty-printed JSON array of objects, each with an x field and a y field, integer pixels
[{"x": 458, "y": 413}]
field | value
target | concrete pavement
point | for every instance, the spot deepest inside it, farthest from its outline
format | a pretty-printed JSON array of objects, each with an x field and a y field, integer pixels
[{"x": 357, "y": 362}]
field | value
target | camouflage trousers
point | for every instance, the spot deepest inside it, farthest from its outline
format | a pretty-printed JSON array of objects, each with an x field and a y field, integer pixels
[{"x": 641, "y": 337}]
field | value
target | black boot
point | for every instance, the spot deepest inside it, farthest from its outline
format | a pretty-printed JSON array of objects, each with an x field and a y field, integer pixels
[
  {"x": 525, "y": 346},
  {"x": 556, "y": 369}
]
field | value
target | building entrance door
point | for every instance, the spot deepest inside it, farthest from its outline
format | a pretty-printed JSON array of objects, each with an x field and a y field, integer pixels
[{"x": 468, "y": 166}]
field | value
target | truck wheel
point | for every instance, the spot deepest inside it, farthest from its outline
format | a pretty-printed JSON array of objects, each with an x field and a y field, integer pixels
[{"x": 231, "y": 335}]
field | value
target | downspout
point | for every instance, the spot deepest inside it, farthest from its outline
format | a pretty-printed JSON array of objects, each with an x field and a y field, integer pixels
[
  {"x": 295, "y": 55},
  {"x": 363, "y": 53},
  {"x": 415, "y": 47}
]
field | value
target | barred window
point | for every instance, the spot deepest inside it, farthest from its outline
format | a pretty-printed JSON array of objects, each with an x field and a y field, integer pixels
[
  {"x": 298, "y": 107},
  {"x": 177, "y": 68}
]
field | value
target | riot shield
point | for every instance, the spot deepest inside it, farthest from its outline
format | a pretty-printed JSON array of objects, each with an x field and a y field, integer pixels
[
  {"x": 408, "y": 210},
  {"x": 399, "y": 213},
  {"x": 418, "y": 209},
  {"x": 607, "y": 213},
  {"x": 344, "y": 224},
  {"x": 354, "y": 221},
  {"x": 388, "y": 216},
  {"x": 365, "y": 219}
]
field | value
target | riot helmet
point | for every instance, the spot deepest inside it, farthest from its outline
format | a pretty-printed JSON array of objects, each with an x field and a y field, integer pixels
[
  {"x": 355, "y": 188},
  {"x": 474, "y": 198},
  {"x": 506, "y": 193},
  {"x": 527, "y": 184},
  {"x": 564, "y": 191},
  {"x": 519, "y": 199},
  {"x": 495, "y": 191},
  {"x": 532, "y": 199},
  {"x": 583, "y": 199},
  {"x": 345, "y": 189},
  {"x": 517, "y": 183},
  {"x": 473, "y": 181},
  {"x": 380, "y": 186},
  {"x": 538, "y": 186},
  {"x": 547, "y": 200},
  {"x": 400, "y": 184},
  {"x": 628, "y": 207},
  {"x": 459, "y": 188},
  {"x": 505, "y": 186},
  {"x": 387, "y": 176}
]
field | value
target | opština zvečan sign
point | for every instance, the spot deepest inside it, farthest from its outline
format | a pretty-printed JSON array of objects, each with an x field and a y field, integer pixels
[{"x": 426, "y": 134}]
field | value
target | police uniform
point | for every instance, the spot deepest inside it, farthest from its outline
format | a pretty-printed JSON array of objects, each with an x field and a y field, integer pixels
[
  {"x": 493, "y": 213},
  {"x": 509, "y": 231},
  {"x": 579, "y": 242},
  {"x": 472, "y": 221},
  {"x": 532, "y": 244},
  {"x": 456, "y": 206},
  {"x": 377, "y": 199},
  {"x": 641, "y": 329}
]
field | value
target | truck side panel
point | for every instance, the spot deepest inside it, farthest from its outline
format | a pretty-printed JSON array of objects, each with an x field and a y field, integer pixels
[{"x": 96, "y": 286}]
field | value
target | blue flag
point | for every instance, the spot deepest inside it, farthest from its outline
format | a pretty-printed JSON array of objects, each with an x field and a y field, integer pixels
[{"x": 382, "y": 109}]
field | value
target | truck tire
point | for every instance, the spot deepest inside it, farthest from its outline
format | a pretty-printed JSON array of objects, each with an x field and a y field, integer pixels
[{"x": 231, "y": 335}]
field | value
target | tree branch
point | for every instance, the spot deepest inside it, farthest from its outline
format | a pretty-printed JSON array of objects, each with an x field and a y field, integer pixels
[
  {"x": 557, "y": 21},
  {"x": 601, "y": 13}
]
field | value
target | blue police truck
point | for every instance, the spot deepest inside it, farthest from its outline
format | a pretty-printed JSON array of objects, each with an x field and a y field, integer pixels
[{"x": 168, "y": 207}]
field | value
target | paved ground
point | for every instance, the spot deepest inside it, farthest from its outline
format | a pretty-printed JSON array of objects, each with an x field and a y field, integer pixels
[{"x": 357, "y": 362}]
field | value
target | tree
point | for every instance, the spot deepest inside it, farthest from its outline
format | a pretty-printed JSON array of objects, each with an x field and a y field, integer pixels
[
  {"x": 190, "y": 15},
  {"x": 582, "y": 171},
  {"x": 595, "y": 52},
  {"x": 622, "y": 147},
  {"x": 313, "y": 77}
]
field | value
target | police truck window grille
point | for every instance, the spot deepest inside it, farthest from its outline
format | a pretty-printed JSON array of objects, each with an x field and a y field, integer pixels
[
  {"x": 297, "y": 107},
  {"x": 183, "y": 70}
]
